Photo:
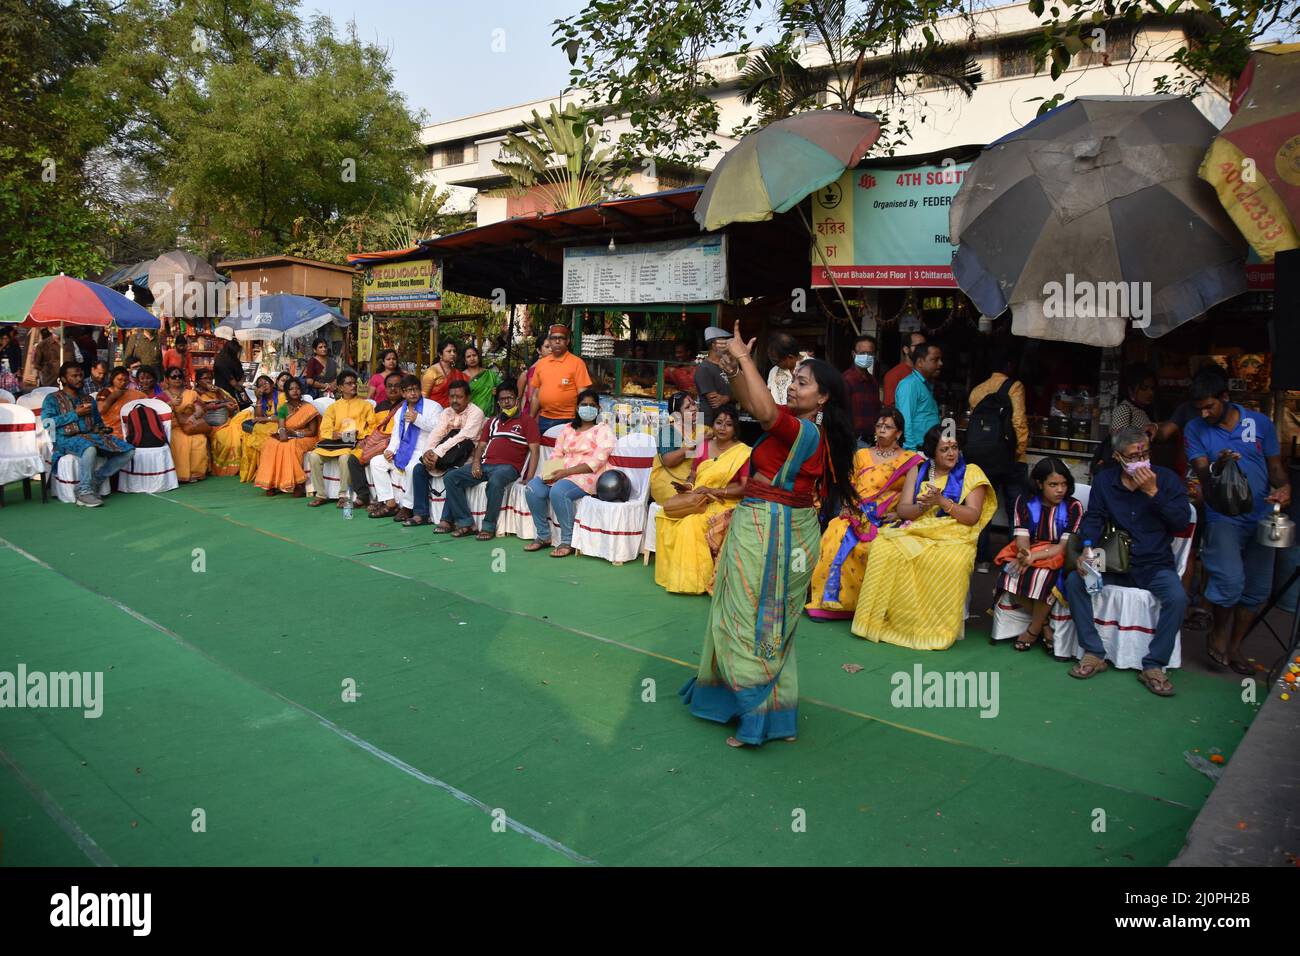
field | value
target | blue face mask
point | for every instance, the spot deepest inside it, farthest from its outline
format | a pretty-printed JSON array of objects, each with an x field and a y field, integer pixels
[
  {"x": 588, "y": 413},
  {"x": 865, "y": 362}
]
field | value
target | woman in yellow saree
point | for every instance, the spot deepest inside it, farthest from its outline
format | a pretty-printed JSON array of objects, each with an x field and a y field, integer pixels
[
  {"x": 690, "y": 530},
  {"x": 221, "y": 412},
  {"x": 258, "y": 424},
  {"x": 914, "y": 591},
  {"x": 189, "y": 441},
  {"x": 878, "y": 476},
  {"x": 279, "y": 466},
  {"x": 682, "y": 439}
]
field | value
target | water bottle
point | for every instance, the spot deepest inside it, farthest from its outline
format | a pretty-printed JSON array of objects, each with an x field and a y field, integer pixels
[
  {"x": 1092, "y": 578},
  {"x": 347, "y": 507}
]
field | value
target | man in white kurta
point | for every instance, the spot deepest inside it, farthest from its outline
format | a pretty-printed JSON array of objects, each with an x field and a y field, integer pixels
[{"x": 391, "y": 472}]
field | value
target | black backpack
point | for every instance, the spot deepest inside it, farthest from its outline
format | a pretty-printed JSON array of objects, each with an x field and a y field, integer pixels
[{"x": 990, "y": 437}]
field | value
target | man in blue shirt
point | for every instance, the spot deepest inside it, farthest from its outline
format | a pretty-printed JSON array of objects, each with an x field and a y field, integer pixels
[
  {"x": 1150, "y": 503},
  {"x": 914, "y": 397},
  {"x": 1240, "y": 569}
]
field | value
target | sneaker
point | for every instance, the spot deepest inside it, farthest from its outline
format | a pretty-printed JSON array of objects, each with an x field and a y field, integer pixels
[
  {"x": 87, "y": 500},
  {"x": 983, "y": 567}
]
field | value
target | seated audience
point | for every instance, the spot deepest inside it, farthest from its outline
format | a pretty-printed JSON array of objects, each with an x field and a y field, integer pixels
[
  {"x": 878, "y": 476},
  {"x": 262, "y": 421},
  {"x": 582, "y": 451},
  {"x": 450, "y": 445},
  {"x": 914, "y": 591},
  {"x": 683, "y": 438},
  {"x": 507, "y": 451},
  {"x": 1041, "y": 525},
  {"x": 79, "y": 430},
  {"x": 279, "y": 466},
  {"x": 344, "y": 424},
  {"x": 693, "y": 524},
  {"x": 376, "y": 440},
  {"x": 414, "y": 422},
  {"x": 189, "y": 429},
  {"x": 1150, "y": 504},
  {"x": 221, "y": 412},
  {"x": 113, "y": 397},
  {"x": 146, "y": 380}
]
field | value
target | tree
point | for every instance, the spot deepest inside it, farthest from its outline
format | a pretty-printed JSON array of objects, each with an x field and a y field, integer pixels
[
  {"x": 49, "y": 220},
  {"x": 561, "y": 155},
  {"x": 868, "y": 55},
  {"x": 645, "y": 60},
  {"x": 1221, "y": 33}
]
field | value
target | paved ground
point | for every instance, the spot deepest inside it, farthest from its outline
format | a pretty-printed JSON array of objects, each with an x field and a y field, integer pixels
[{"x": 500, "y": 714}]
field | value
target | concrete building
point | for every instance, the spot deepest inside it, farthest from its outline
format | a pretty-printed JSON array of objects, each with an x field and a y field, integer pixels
[{"x": 459, "y": 152}]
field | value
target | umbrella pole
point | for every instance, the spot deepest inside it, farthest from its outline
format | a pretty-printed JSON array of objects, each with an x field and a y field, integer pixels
[{"x": 848, "y": 314}]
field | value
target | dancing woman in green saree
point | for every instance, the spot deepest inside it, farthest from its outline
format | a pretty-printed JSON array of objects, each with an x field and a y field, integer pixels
[{"x": 747, "y": 668}]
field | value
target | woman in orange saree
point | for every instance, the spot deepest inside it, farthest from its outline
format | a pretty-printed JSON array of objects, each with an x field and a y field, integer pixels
[{"x": 279, "y": 466}]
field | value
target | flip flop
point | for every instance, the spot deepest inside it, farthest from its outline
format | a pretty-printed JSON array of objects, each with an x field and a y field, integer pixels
[
  {"x": 1155, "y": 681},
  {"x": 462, "y": 532},
  {"x": 1095, "y": 664},
  {"x": 537, "y": 546},
  {"x": 484, "y": 536}
]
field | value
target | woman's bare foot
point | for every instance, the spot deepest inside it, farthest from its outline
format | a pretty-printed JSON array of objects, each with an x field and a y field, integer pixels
[{"x": 733, "y": 742}]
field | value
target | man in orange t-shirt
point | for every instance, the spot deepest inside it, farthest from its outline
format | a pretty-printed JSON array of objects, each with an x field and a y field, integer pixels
[{"x": 558, "y": 378}]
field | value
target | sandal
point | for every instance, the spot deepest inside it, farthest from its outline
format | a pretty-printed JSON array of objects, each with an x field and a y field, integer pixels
[
  {"x": 462, "y": 532},
  {"x": 318, "y": 502},
  {"x": 484, "y": 536},
  {"x": 384, "y": 511},
  {"x": 341, "y": 503},
  {"x": 1049, "y": 641},
  {"x": 1218, "y": 659},
  {"x": 537, "y": 546},
  {"x": 1155, "y": 681},
  {"x": 416, "y": 521},
  {"x": 1242, "y": 668},
  {"x": 403, "y": 514},
  {"x": 1089, "y": 667},
  {"x": 442, "y": 528},
  {"x": 563, "y": 551},
  {"x": 1023, "y": 645}
]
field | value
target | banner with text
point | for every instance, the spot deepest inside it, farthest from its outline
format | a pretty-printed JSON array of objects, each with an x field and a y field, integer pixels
[
  {"x": 676, "y": 270},
  {"x": 887, "y": 228},
  {"x": 412, "y": 286}
]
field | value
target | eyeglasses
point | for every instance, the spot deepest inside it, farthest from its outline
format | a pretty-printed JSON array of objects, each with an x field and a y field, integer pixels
[{"x": 1138, "y": 455}]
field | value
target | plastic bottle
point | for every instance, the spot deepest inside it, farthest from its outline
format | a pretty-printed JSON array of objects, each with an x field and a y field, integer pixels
[
  {"x": 347, "y": 507},
  {"x": 1092, "y": 578}
]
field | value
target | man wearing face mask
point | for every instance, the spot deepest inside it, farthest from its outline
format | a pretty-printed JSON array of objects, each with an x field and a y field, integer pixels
[
  {"x": 1240, "y": 569},
  {"x": 863, "y": 389},
  {"x": 1150, "y": 503}
]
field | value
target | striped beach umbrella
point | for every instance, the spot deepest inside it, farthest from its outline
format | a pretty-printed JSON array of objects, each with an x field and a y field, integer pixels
[
  {"x": 773, "y": 170},
  {"x": 62, "y": 300},
  {"x": 1091, "y": 220}
]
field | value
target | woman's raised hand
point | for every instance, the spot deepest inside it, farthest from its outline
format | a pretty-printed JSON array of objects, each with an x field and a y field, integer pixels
[{"x": 737, "y": 347}]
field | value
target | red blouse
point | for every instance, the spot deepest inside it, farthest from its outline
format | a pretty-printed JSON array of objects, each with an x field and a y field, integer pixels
[{"x": 770, "y": 454}]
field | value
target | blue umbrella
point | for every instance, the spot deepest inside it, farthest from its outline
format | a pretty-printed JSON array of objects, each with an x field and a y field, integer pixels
[{"x": 273, "y": 317}]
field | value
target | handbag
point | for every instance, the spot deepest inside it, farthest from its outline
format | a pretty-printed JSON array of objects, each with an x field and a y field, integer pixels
[
  {"x": 375, "y": 443},
  {"x": 1115, "y": 545},
  {"x": 684, "y": 504}
]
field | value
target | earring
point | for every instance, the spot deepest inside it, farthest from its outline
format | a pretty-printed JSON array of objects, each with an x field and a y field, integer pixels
[{"x": 819, "y": 416}]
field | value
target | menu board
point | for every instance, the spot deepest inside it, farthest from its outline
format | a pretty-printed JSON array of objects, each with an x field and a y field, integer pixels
[{"x": 676, "y": 270}]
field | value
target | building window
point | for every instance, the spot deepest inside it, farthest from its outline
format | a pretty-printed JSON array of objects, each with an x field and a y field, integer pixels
[
  {"x": 1115, "y": 45},
  {"x": 1016, "y": 59}
]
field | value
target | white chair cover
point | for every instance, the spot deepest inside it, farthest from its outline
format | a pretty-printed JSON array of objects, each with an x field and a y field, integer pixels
[
  {"x": 20, "y": 455},
  {"x": 329, "y": 471},
  {"x": 150, "y": 470},
  {"x": 66, "y": 478},
  {"x": 322, "y": 403},
  {"x": 613, "y": 529},
  {"x": 1125, "y": 617},
  {"x": 648, "y": 539},
  {"x": 6, "y": 397},
  {"x": 31, "y": 401},
  {"x": 515, "y": 517}
]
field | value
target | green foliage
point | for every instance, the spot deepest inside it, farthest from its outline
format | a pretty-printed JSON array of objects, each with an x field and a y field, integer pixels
[
  {"x": 48, "y": 220},
  {"x": 561, "y": 154},
  {"x": 645, "y": 61}
]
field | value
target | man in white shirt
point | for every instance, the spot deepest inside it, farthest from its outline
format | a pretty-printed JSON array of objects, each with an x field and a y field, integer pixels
[
  {"x": 784, "y": 355},
  {"x": 450, "y": 446},
  {"x": 415, "y": 420}
]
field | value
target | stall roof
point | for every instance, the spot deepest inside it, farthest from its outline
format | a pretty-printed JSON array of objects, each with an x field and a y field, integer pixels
[{"x": 525, "y": 255}]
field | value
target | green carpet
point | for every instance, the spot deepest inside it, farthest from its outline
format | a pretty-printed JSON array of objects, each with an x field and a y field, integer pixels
[{"x": 492, "y": 679}]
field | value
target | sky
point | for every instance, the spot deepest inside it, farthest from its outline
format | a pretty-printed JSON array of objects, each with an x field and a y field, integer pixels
[{"x": 442, "y": 51}]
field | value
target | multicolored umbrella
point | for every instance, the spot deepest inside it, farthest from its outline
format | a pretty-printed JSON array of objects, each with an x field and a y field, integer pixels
[
  {"x": 63, "y": 300},
  {"x": 1254, "y": 162},
  {"x": 275, "y": 317},
  {"x": 1091, "y": 220},
  {"x": 773, "y": 170}
]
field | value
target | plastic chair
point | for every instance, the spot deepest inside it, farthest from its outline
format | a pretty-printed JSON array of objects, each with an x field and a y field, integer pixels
[
  {"x": 613, "y": 529},
  {"x": 151, "y": 470},
  {"x": 20, "y": 456}
]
